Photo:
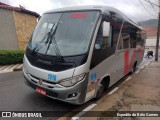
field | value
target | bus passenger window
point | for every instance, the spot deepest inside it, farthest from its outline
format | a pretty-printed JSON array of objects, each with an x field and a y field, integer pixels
[
  {"x": 139, "y": 39},
  {"x": 126, "y": 39},
  {"x": 132, "y": 32},
  {"x": 116, "y": 23},
  {"x": 120, "y": 44}
]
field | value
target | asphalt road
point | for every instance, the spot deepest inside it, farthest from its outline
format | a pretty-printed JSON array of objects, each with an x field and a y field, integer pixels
[{"x": 16, "y": 96}]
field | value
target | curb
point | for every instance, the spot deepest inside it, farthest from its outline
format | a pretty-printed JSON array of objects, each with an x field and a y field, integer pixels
[
  {"x": 17, "y": 69},
  {"x": 11, "y": 68}
]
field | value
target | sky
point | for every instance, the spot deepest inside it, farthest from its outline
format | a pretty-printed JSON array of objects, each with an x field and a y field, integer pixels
[{"x": 132, "y": 8}]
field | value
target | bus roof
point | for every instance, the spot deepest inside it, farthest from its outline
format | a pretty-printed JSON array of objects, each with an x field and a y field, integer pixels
[{"x": 103, "y": 9}]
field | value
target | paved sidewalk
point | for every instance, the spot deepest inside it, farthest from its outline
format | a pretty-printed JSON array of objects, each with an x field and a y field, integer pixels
[
  {"x": 10, "y": 68},
  {"x": 140, "y": 93}
]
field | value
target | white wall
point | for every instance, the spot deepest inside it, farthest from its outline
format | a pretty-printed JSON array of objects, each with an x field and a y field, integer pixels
[
  {"x": 151, "y": 42},
  {"x": 8, "y": 37}
]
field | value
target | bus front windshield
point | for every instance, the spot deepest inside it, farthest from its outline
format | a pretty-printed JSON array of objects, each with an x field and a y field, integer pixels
[{"x": 72, "y": 32}]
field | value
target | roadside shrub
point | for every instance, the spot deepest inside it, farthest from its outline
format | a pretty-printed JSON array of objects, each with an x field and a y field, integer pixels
[{"x": 11, "y": 56}]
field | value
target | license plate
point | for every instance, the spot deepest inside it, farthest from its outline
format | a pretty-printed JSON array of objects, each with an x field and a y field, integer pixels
[{"x": 43, "y": 92}]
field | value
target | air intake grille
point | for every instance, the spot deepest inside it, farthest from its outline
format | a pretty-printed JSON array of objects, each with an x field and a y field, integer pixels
[{"x": 53, "y": 66}]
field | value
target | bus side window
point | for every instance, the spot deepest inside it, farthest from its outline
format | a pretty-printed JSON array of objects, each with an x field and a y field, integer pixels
[
  {"x": 125, "y": 36},
  {"x": 120, "y": 44},
  {"x": 116, "y": 22},
  {"x": 126, "y": 40},
  {"x": 140, "y": 41},
  {"x": 132, "y": 31}
]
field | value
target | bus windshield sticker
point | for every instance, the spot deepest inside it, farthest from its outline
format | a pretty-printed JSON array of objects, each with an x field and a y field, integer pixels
[
  {"x": 52, "y": 77},
  {"x": 78, "y": 15}
]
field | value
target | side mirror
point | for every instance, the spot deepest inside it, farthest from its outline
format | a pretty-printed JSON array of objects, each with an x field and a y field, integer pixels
[{"x": 106, "y": 29}]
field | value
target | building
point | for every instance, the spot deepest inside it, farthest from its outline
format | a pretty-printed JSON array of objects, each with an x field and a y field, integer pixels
[
  {"x": 151, "y": 32},
  {"x": 16, "y": 26}
]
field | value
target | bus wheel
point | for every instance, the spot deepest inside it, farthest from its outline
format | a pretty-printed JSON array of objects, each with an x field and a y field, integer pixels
[{"x": 100, "y": 91}]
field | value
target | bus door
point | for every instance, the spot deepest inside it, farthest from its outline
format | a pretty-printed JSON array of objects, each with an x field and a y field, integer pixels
[
  {"x": 120, "y": 60},
  {"x": 123, "y": 52}
]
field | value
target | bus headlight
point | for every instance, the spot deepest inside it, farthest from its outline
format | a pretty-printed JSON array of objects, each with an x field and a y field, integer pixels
[{"x": 72, "y": 81}]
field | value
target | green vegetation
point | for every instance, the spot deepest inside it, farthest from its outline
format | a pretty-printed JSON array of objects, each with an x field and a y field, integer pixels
[{"x": 11, "y": 56}]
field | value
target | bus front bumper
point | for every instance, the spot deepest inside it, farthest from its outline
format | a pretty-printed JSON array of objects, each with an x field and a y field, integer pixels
[{"x": 63, "y": 94}]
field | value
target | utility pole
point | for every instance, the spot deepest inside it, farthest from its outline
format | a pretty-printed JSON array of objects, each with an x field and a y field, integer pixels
[{"x": 158, "y": 32}]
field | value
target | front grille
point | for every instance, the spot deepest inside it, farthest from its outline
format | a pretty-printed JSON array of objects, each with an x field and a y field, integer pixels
[
  {"x": 45, "y": 83},
  {"x": 33, "y": 81},
  {"x": 54, "y": 66}
]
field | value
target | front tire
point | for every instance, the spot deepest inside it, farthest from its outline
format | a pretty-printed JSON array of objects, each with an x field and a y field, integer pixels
[{"x": 100, "y": 91}]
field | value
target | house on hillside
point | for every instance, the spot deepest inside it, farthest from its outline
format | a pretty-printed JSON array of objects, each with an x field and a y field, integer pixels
[
  {"x": 151, "y": 32},
  {"x": 151, "y": 36},
  {"x": 16, "y": 26}
]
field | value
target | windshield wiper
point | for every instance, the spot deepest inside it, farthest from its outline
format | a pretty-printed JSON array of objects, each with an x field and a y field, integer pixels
[
  {"x": 38, "y": 47},
  {"x": 52, "y": 40},
  {"x": 57, "y": 49}
]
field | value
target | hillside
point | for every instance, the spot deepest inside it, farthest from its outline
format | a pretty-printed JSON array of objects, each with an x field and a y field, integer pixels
[
  {"x": 150, "y": 26},
  {"x": 153, "y": 23}
]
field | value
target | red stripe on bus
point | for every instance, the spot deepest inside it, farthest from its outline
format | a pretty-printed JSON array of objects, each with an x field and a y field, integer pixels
[
  {"x": 127, "y": 63},
  {"x": 132, "y": 58},
  {"x": 140, "y": 53}
]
